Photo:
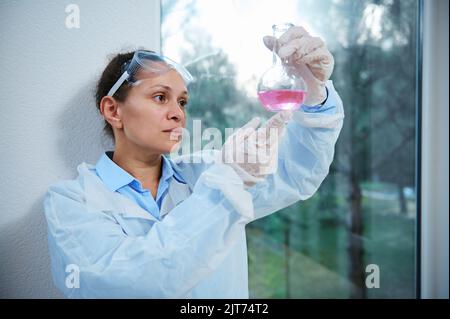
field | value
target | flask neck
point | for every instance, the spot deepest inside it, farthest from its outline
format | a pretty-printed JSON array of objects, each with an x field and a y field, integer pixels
[{"x": 277, "y": 31}]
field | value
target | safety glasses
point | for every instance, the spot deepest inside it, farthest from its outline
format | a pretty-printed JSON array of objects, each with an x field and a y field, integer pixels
[{"x": 148, "y": 64}]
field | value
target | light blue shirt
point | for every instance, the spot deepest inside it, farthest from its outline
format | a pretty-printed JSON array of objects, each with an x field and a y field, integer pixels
[{"x": 118, "y": 180}]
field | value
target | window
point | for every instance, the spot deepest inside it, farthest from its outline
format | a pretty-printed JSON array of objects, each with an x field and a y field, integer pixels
[{"x": 363, "y": 218}]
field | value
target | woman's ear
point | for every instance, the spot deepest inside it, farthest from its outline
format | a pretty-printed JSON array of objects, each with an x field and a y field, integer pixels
[{"x": 109, "y": 108}]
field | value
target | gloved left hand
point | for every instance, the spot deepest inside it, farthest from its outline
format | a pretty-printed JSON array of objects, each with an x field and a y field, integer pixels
[
  {"x": 306, "y": 56},
  {"x": 253, "y": 152}
]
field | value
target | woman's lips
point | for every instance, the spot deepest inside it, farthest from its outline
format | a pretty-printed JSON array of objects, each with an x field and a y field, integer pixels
[
  {"x": 175, "y": 133},
  {"x": 175, "y": 129}
]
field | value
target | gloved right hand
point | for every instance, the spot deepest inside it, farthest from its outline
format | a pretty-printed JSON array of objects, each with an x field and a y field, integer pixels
[
  {"x": 252, "y": 152},
  {"x": 306, "y": 56}
]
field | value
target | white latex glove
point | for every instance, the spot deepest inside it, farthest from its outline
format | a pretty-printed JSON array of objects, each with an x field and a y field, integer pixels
[
  {"x": 306, "y": 56},
  {"x": 252, "y": 152}
]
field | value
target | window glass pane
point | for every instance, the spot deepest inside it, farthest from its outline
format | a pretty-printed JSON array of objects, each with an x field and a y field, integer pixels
[{"x": 364, "y": 214}]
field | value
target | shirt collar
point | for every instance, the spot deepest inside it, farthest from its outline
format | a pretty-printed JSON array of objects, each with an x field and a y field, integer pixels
[
  {"x": 112, "y": 175},
  {"x": 167, "y": 163},
  {"x": 115, "y": 177}
]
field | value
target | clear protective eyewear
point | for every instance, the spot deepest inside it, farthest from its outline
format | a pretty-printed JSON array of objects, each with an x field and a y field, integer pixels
[{"x": 148, "y": 63}]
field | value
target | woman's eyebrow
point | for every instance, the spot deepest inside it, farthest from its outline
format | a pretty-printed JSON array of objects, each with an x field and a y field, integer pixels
[{"x": 168, "y": 88}]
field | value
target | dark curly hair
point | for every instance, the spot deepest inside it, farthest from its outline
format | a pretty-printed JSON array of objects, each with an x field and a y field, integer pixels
[{"x": 110, "y": 75}]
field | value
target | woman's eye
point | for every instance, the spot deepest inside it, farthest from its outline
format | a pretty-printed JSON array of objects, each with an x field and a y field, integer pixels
[
  {"x": 160, "y": 98},
  {"x": 183, "y": 103}
]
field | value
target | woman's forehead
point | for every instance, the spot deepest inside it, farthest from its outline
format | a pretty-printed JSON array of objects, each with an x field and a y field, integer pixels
[{"x": 170, "y": 80}]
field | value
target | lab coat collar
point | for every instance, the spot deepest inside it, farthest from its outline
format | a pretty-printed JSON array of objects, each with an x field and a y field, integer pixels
[
  {"x": 100, "y": 198},
  {"x": 178, "y": 192}
]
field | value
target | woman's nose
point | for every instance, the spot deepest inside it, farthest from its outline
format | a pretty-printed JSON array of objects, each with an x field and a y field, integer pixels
[{"x": 175, "y": 112}]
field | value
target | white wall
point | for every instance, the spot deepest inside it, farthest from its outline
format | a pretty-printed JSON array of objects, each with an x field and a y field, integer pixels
[
  {"x": 435, "y": 210},
  {"x": 48, "y": 120}
]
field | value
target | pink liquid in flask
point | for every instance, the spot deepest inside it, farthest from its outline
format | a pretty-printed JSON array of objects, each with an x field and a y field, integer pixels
[{"x": 279, "y": 100}]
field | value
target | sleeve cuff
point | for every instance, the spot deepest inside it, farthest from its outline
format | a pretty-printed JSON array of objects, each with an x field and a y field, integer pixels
[{"x": 328, "y": 107}]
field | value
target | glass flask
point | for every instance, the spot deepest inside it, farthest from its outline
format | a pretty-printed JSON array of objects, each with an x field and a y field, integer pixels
[{"x": 279, "y": 89}]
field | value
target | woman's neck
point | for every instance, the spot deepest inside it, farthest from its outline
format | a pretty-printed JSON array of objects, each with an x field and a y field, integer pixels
[{"x": 145, "y": 167}]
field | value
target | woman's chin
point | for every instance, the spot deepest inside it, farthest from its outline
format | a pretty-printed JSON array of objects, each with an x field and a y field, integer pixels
[{"x": 173, "y": 146}]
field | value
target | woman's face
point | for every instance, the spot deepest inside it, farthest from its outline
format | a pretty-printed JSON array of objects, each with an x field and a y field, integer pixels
[{"x": 152, "y": 109}]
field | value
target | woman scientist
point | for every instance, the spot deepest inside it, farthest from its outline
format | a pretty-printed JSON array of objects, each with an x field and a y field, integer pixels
[{"x": 141, "y": 225}]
